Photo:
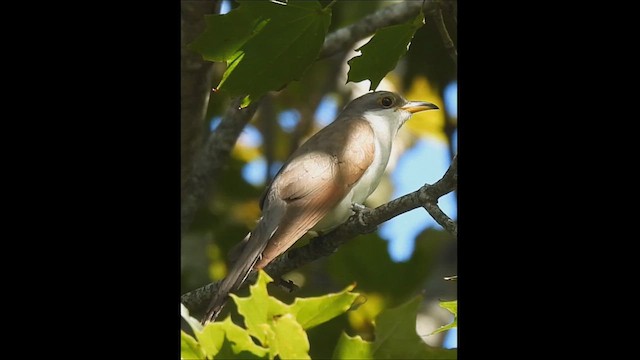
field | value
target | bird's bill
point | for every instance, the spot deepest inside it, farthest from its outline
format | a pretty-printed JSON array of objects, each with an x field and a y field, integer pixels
[{"x": 417, "y": 106}]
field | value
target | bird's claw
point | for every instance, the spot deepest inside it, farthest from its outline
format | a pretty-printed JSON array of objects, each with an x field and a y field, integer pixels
[{"x": 359, "y": 211}]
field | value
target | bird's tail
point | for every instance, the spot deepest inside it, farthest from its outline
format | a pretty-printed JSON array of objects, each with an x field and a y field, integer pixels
[{"x": 247, "y": 255}]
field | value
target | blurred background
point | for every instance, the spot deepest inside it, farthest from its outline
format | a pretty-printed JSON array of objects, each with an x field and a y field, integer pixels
[{"x": 408, "y": 255}]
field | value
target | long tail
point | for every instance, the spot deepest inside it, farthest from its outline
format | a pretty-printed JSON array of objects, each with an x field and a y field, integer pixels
[{"x": 248, "y": 255}]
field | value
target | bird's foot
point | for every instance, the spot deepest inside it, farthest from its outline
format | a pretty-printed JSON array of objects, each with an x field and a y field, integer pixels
[
  {"x": 287, "y": 285},
  {"x": 359, "y": 211}
]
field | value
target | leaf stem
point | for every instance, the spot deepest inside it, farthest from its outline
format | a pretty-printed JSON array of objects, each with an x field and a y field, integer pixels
[
  {"x": 330, "y": 4},
  {"x": 442, "y": 29}
]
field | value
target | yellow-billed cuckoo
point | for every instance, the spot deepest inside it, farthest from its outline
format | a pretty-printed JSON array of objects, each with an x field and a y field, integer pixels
[{"x": 315, "y": 189}]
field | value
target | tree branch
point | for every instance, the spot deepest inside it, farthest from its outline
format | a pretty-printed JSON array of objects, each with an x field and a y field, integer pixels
[
  {"x": 442, "y": 29},
  {"x": 217, "y": 148},
  {"x": 341, "y": 39},
  {"x": 441, "y": 218},
  {"x": 327, "y": 244},
  {"x": 448, "y": 181},
  {"x": 213, "y": 156}
]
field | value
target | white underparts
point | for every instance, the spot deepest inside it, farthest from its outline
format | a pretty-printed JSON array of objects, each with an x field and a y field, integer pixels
[{"x": 385, "y": 125}]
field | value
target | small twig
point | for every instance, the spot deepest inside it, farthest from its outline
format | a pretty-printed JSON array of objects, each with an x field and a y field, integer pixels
[
  {"x": 441, "y": 218},
  {"x": 330, "y": 4},
  {"x": 442, "y": 29},
  {"x": 452, "y": 9},
  {"x": 430, "y": 203}
]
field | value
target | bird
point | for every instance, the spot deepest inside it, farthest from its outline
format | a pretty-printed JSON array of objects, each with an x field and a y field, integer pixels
[{"x": 317, "y": 188}]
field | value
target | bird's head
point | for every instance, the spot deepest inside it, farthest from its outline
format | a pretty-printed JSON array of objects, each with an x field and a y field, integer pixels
[{"x": 386, "y": 105}]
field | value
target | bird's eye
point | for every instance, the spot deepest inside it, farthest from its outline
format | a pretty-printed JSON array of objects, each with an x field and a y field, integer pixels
[{"x": 386, "y": 101}]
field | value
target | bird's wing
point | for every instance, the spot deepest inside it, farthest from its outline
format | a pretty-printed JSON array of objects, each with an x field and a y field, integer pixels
[
  {"x": 304, "y": 191},
  {"x": 315, "y": 181}
]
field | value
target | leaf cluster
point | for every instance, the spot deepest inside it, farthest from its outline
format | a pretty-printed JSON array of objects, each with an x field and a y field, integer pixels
[{"x": 275, "y": 329}]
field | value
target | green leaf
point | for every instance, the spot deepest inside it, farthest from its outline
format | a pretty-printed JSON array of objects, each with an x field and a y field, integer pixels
[
  {"x": 452, "y": 306},
  {"x": 189, "y": 347},
  {"x": 377, "y": 273},
  {"x": 352, "y": 348},
  {"x": 317, "y": 310},
  {"x": 226, "y": 339},
  {"x": 396, "y": 335},
  {"x": 281, "y": 327},
  {"x": 381, "y": 54},
  {"x": 396, "y": 331},
  {"x": 258, "y": 308},
  {"x": 211, "y": 339},
  {"x": 241, "y": 341},
  {"x": 288, "y": 339},
  {"x": 225, "y": 34},
  {"x": 274, "y": 44}
]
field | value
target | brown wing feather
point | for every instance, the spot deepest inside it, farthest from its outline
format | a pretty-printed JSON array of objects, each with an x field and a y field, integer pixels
[{"x": 314, "y": 182}]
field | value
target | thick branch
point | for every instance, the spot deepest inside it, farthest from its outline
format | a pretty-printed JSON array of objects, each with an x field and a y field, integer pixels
[
  {"x": 341, "y": 39},
  {"x": 327, "y": 244},
  {"x": 213, "y": 156}
]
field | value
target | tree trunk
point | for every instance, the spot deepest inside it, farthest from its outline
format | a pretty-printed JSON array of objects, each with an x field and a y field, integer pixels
[{"x": 195, "y": 86}]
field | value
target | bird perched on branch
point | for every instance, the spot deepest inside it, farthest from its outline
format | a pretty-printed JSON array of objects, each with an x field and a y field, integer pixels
[{"x": 318, "y": 185}]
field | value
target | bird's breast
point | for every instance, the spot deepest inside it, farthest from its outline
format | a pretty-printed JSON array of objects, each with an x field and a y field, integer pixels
[{"x": 384, "y": 134}]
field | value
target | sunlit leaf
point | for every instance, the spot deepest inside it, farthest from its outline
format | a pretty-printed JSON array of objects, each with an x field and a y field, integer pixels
[
  {"x": 381, "y": 54},
  {"x": 222, "y": 339},
  {"x": 452, "y": 306},
  {"x": 259, "y": 308},
  {"x": 241, "y": 341},
  {"x": 352, "y": 348},
  {"x": 280, "y": 327},
  {"x": 288, "y": 339},
  {"x": 316, "y": 310},
  {"x": 189, "y": 347},
  {"x": 211, "y": 338}
]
